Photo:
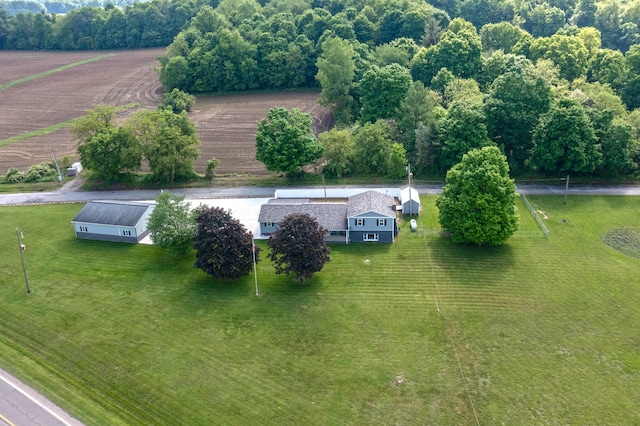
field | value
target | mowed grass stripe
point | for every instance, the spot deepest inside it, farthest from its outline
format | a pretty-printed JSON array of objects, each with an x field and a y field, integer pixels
[{"x": 52, "y": 71}]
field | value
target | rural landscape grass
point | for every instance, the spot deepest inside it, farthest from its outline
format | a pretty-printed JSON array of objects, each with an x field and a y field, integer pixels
[{"x": 421, "y": 331}]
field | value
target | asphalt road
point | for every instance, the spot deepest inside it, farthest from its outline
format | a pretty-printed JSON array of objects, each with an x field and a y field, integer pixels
[
  {"x": 71, "y": 196},
  {"x": 21, "y": 405}
]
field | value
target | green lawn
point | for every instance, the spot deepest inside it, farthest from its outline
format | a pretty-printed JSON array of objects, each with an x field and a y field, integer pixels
[{"x": 418, "y": 332}]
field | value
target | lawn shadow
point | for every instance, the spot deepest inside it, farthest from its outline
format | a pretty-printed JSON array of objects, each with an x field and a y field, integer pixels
[{"x": 464, "y": 261}]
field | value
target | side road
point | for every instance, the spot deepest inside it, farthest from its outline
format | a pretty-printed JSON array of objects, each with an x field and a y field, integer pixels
[
  {"x": 65, "y": 196},
  {"x": 22, "y": 405}
]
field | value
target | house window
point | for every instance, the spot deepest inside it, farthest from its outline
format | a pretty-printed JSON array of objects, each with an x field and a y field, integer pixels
[
  {"x": 382, "y": 222},
  {"x": 370, "y": 237},
  {"x": 269, "y": 224},
  {"x": 83, "y": 229},
  {"x": 359, "y": 222},
  {"x": 126, "y": 233}
]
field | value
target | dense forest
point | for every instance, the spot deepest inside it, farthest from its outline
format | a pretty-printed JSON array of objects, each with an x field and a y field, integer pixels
[
  {"x": 554, "y": 84},
  {"x": 13, "y": 7}
]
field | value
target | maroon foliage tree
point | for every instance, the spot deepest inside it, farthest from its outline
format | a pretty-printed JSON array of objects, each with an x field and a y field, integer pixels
[
  {"x": 298, "y": 247},
  {"x": 224, "y": 248}
]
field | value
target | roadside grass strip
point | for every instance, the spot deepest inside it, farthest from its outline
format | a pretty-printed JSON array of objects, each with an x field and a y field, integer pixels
[
  {"x": 54, "y": 128},
  {"x": 52, "y": 71},
  {"x": 421, "y": 331}
]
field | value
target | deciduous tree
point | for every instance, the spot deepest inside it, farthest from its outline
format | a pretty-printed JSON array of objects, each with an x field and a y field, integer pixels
[
  {"x": 382, "y": 90},
  {"x": 564, "y": 141},
  {"x": 111, "y": 152},
  {"x": 169, "y": 143},
  {"x": 339, "y": 150},
  {"x": 336, "y": 70},
  {"x": 298, "y": 247},
  {"x": 285, "y": 142},
  {"x": 172, "y": 223},
  {"x": 97, "y": 120},
  {"x": 224, "y": 248},
  {"x": 178, "y": 101},
  {"x": 373, "y": 147},
  {"x": 478, "y": 201},
  {"x": 568, "y": 52},
  {"x": 465, "y": 129},
  {"x": 512, "y": 110}
]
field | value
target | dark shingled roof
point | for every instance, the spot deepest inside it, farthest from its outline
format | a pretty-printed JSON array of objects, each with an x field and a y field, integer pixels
[
  {"x": 371, "y": 201},
  {"x": 120, "y": 213},
  {"x": 330, "y": 216}
]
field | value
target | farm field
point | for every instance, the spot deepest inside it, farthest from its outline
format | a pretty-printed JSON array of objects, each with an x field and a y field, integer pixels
[
  {"x": 421, "y": 331},
  {"x": 44, "y": 89}
]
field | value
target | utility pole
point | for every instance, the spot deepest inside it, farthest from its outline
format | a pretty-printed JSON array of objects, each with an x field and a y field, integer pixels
[
  {"x": 55, "y": 160},
  {"x": 325, "y": 188},
  {"x": 255, "y": 269},
  {"x": 21, "y": 249},
  {"x": 410, "y": 201}
]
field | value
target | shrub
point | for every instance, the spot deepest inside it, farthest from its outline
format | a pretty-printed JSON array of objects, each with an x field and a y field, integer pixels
[
  {"x": 14, "y": 175},
  {"x": 41, "y": 172}
]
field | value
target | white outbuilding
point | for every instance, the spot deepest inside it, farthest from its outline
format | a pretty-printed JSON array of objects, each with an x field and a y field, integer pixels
[
  {"x": 121, "y": 221},
  {"x": 410, "y": 201}
]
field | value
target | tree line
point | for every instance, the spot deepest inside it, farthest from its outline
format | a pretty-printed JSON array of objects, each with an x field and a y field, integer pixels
[
  {"x": 406, "y": 83},
  {"x": 13, "y": 7},
  {"x": 138, "y": 25}
]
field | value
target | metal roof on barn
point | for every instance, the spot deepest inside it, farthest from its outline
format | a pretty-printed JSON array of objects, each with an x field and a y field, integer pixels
[
  {"x": 121, "y": 213},
  {"x": 371, "y": 201}
]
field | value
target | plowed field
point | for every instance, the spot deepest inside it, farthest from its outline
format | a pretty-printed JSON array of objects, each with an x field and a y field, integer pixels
[{"x": 36, "y": 98}]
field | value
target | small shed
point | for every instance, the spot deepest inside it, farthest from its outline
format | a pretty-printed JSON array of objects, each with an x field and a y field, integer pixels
[
  {"x": 120, "y": 221},
  {"x": 410, "y": 200},
  {"x": 75, "y": 169}
]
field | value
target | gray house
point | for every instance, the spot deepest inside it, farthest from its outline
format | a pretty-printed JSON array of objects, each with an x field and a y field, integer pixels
[
  {"x": 369, "y": 216},
  {"x": 113, "y": 221},
  {"x": 410, "y": 200},
  {"x": 330, "y": 216}
]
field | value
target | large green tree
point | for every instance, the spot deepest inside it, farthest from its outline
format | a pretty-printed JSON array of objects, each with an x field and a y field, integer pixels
[
  {"x": 478, "y": 201},
  {"x": 513, "y": 108},
  {"x": 564, "y": 141},
  {"x": 339, "y": 151},
  {"x": 373, "y": 147},
  {"x": 336, "y": 70},
  {"x": 465, "y": 129},
  {"x": 416, "y": 108},
  {"x": 298, "y": 247},
  {"x": 97, "y": 120},
  {"x": 169, "y": 143},
  {"x": 111, "y": 153},
  {"x": 566, "y": 51},
  {"x": 501, "y": 36},
  {"x": 615, "y": 139},
  {"x": 224, "y": 248},
  {"x": 382, "y": 90},
  {"x": 285, "y": 141},
  {"x": 459, "y": 50},
  {"x": 172, "y": 223}
]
